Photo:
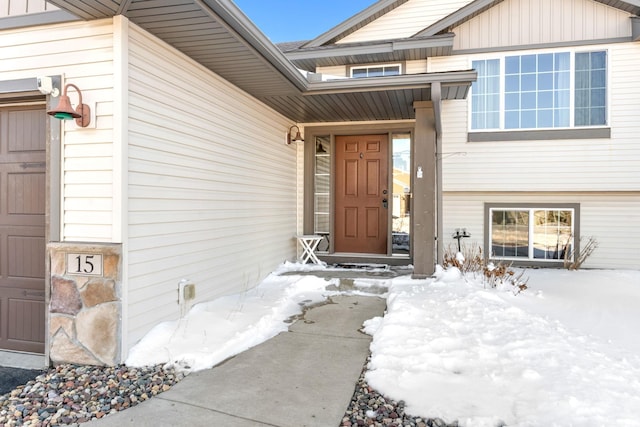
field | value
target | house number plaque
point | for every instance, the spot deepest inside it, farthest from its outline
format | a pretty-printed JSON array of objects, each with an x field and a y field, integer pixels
[{"x": 84, "y": 264}]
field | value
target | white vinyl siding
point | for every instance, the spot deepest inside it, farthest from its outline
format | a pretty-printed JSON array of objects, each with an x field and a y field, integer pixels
[
  {"x": 610, "y": 218},
  {"x": 83, "y": 54},
  {"x": 416, "y": 67},
  {"x": 439, "y": 64},
  {"x": 405, "y": 20},
  {"x": 23, "y": 7},
  {"x": 528, "y": 22},
  {"x": 212, "y": 185},
  {"x": 337, "y": 70},
  {"x": 551, "y": 165}
]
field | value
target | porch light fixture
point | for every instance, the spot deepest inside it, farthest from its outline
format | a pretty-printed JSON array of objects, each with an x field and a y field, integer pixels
[
  {"x": 64, "y": 110},
  {"x": 296, "y": 138}
]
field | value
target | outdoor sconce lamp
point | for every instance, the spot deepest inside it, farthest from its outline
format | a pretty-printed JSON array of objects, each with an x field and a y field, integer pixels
[
  {"x": 296, "y": 138},
  {"x": 64, "y": 110}
]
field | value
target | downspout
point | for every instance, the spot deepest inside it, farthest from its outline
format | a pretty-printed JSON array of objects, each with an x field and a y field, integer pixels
[{"x": 436, "y": 98}]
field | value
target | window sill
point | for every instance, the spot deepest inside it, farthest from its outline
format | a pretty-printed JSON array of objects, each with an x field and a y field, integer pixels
[
  {"x": 540, "y": 135},
  {"x": 529, "y": 263}
]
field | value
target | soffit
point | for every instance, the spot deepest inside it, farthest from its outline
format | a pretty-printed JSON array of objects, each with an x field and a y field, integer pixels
[
  {"x": 216, "y": 34},
  {"x": 368, "y": 99},
  {"x": 379, "y": 51},
  {"x": 213, "y": 32},
  {"x": 631, "y": 6}
]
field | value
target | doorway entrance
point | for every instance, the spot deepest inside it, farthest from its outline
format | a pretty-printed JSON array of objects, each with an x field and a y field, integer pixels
[
  {"x": 361, "y": 194},
  {"x": 22, "y": 228}
]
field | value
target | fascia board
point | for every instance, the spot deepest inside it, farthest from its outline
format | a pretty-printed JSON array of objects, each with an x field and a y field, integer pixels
[
  {"x": 368, "y": 49},
  {"x": 236, "y": 22},
  {"x": 351, "y": 22},
  {"x": 457, "y": 17},
  {"x": 377, "y": 84}
]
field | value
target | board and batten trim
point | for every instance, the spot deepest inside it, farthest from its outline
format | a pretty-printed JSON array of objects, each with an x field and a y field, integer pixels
[
  {"x": 540, "y": 135},
  {"x": 120, "y": 230}
]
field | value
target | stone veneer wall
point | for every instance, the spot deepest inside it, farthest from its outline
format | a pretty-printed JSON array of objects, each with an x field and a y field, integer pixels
[{"x": 85, "y": 320}]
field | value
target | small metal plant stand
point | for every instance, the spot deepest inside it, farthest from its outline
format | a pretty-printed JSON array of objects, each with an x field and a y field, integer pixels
[{"x": 459, "y": 235}]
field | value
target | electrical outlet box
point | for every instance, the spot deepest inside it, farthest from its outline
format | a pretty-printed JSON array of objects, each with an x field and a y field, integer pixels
[
  {"x": 186, "y": 291},
  {"x": 189, "y": 291}
]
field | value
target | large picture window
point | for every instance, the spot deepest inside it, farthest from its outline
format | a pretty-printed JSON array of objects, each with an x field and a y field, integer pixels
[
  {"x": 535, "y": 234},
  {"x": 540, "y": 91}
]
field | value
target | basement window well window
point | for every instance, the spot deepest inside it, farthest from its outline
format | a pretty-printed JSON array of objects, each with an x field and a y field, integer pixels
[
  {"x": 531, "y": 233},
  {"x": 376, "y": 71},
  {"x": 540, "y": 91}
]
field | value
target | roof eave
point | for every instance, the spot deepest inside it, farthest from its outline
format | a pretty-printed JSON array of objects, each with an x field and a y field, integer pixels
[
  {"x": 458, "y": 17},
  {"x": 355, "y": 22},
  {"x": 376, "y": 84},
  {"x": 386, "y": 46},
  {"x": 236, "y": 20}
]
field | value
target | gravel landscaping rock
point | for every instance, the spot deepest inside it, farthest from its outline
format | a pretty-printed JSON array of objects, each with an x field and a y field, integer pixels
[
  {"x": 370, "y": 408},
  {"x": 71, "y": 394}
]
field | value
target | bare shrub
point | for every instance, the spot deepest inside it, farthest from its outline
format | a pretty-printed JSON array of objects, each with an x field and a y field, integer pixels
[
  {"x": 493, "y": 275},
  {"x": 569, "y": 253}
]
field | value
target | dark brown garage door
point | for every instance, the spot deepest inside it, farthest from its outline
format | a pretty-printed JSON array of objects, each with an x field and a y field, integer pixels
[{"x": 22, "y": 223}]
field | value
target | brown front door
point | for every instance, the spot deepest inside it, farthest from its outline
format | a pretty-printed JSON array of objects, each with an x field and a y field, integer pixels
[
  {"x": 22, "y": 223},
  {"x": 361, "y": 194}
]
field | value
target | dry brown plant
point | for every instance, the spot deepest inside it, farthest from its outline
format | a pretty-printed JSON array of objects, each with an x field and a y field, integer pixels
[
  {"x": 569, "y": 252},
  {"x": 493, "y": 275}
]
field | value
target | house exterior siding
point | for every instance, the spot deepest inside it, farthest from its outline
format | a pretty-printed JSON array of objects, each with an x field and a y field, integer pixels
[
  {"x": 23, "y": 7},
  {"x": 598, "y": 174},
  {"x": 532, "y": 22},
  {"x": 551, "y": 166},
  {"x": 609, "y": 217},
  {"x": 212, "y": 188},
  {"x": 406, "y": 20},
  {"x": 87, "y": 154}
]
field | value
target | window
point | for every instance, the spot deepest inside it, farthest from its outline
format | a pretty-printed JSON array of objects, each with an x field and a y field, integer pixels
[
  {"x": 534, "y": 234},
  {"x": 376, "y": 71},
  {"x": 401, "y": 199},
  {"x": 322, "y": 189},
  {"x": 540, "y": 91}
]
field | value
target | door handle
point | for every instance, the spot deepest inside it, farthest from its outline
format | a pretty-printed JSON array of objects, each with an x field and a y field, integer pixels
[{"x": 384, "y": 203}]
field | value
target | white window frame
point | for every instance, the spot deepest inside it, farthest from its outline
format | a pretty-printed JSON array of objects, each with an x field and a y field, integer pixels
[
  {"x": 367, "y": 67},
  {"x": 530, "y": 246},
  {"x": 572, "y": 51}
]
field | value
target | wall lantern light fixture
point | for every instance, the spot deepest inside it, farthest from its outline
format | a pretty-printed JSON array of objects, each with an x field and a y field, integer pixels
[
  {"x": 295, "y": 138},
  {"x": 64, "y": 110}
]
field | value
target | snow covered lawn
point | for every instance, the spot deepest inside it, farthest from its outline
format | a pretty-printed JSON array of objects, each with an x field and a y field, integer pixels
[{"x": 564, "y": 352}]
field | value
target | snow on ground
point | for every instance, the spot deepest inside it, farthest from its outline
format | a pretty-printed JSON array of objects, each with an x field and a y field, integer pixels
[
  {"x": 214, "y": 331},
  {"x": 563, "y": 353},
  {"x": 566, "y": 352}
]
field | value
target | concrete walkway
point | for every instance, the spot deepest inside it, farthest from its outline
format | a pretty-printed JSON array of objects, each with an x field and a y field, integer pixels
[{"x": 301, "y": 378}]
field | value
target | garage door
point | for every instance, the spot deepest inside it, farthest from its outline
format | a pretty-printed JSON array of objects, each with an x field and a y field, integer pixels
[{"x": 22, "y": 225}]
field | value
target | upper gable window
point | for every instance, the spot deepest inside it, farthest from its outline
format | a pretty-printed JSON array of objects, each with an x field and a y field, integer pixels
[
  {"x": 540, "y": 91},
  {"x": 376, "y": 71}
]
